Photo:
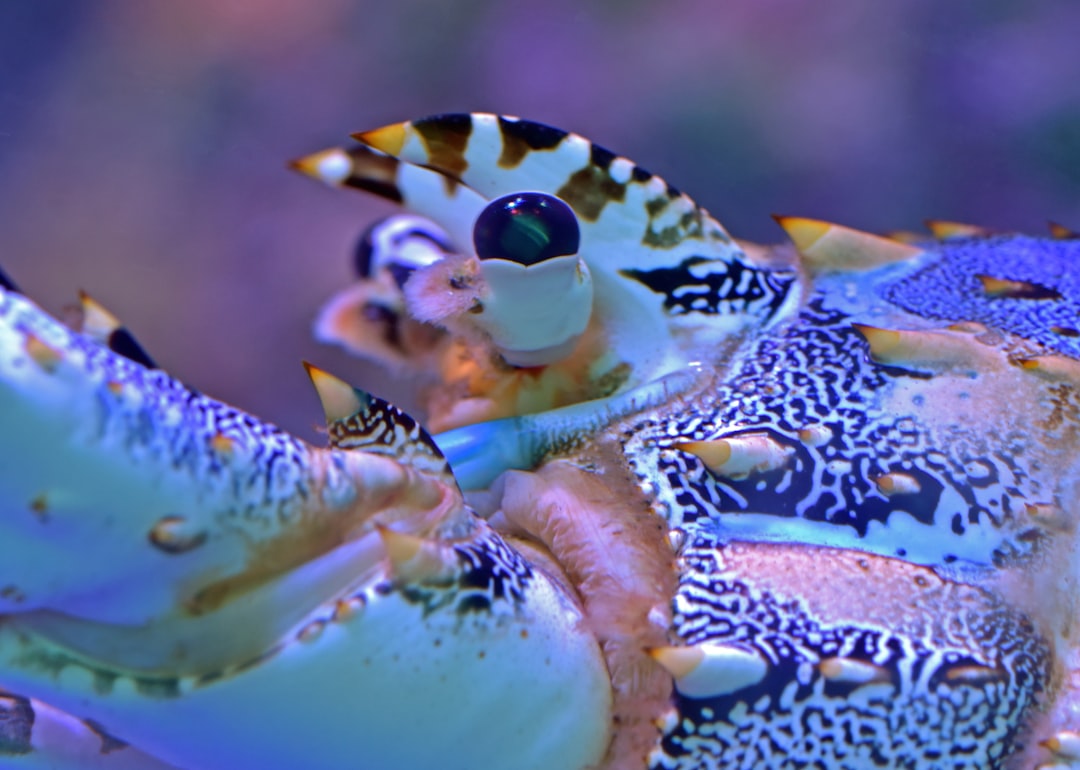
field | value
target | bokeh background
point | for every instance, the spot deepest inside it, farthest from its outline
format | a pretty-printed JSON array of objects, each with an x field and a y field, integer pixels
[{"x": 143, "y": 143}]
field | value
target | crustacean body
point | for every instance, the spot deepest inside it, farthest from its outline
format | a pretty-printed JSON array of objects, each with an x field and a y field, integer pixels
[{"x": 678, "y": 502}]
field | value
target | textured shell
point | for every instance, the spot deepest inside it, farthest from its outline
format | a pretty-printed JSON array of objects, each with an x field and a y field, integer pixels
[
  {"x": 811, "y": 505},
  {"x": 906, "y": 569},
  {"x": 873, "y": 492}
]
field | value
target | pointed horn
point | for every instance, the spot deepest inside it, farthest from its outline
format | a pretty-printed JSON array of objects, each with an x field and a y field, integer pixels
[
  {"x": 1008, "y": 288},
  {"x": 830, "y": 247},
  {"x": 710, "y": 670},
  {"x": 418, "y": 560},
  {"x": 943, "y": 229},
  {"x": 852, "y": 671},
  {"x": 1061, "y": 232},
  {"x": 438, "y": 142},
  {"x": 389, "y": 139},
  {"x": 358, "y": 420},
  {"x": 357, "y": 167},
  {"x": 936, "y": 351},
  {"x": 339, "y": 400},
  {"x": 331, "y": 166},
  {"x": 103, "y": 326},
  {"x": 1053, "y": 367},
  {"x": 1064, "y": 744},
  {"x": 737, "y": 457},
  {"x": 42, "y": 353},
  {"x": 97, "y": 322}
]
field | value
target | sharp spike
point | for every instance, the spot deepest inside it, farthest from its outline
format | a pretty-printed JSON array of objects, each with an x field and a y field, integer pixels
[
  {"x": 1066, "y": 744},
  {"x": 1054, "y": 367},
  {"x": 677, "y": 539},
  {"x": 339, "y": 399},
  {"x": 311, "y": 632},
  {"x": 1050, "y": 517},
  {"x": 816, "y": 435},
  {"x": 883, "y": 343},
  {"x": 666, "y": 722},
  {"x": 825, "y": 246},
  {"x": 361, "y": 168},
  {"x": 43, "y": 354},
  {"x": 968, "y": 327},
  {"x": 905, "y": 236},
  {"x": 176, "y": 535},
  {"x": 347, "y": 609},
  {"x": 1008, "y": 288},
  {"x": 943, "y": 229},
  {"x": 972, "y": 674},
  {"x": 222, "y": 445},
  {"x": 936, "y": 351},
  {"x": 680, "y": 662},
  {"x": 1062, "y": 232},
  {"x": 101, "y": 325},
  {"x": 710, "y": 670},
  {"x": 439, "y": 142},
  {"x": 897, "y": 483},
  {"x": 389, "y": 139},
  {"x": 803, "y": 232},
  {"x": 332, "y": 166},
  {"x": 97, "y": 322},
  {"x": 417, "y": 559},
  {"x": 851, "y": 671},
  {"x": 738, "y": 456},
  {"x": 358, "y": 420}
]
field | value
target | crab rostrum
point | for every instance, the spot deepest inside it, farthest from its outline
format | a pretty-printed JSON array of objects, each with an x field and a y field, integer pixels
[{"x": 670, "y": 500}]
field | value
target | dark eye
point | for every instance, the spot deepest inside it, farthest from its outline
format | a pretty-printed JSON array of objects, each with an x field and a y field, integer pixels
[{"x": 526, "y": 228}]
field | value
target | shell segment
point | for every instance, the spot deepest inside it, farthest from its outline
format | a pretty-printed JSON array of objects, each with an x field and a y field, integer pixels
[
  {"x": 836, "y": 659},
  {"x": 140, "y": 521}
]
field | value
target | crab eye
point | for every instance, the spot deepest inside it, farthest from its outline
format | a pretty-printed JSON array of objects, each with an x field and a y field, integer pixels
[
  {"x": 399, "y": 244},
  {"x": 526, "y": 228}
]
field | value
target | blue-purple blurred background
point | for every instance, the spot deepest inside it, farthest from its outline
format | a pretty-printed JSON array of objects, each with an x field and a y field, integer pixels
[{"x": 143, "y": 144}]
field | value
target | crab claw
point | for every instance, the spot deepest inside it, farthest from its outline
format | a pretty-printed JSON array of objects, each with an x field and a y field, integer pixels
[
  {"x": 570, "y": 262},
  {"x": 169, "y": 563}
]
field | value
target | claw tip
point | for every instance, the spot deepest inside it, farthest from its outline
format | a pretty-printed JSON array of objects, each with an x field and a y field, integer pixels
[
  {"x": 331, "y": 166},
  {"x": 389, "y": 139},
  {"x": 43, "y": 354},
  {"x": 416, "y": 559},
  {"x": 97, "y": 322},
  {"x": 944, "y": 229},
  {"x": 1060, "y": 231},
  {"x": 680, "y": 662},
  {"x": 339, "y": 399},
  {"x": 803, "y": 232}
]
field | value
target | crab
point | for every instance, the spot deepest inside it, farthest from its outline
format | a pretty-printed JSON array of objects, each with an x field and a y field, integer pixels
[{"x": 670, "y": 501}]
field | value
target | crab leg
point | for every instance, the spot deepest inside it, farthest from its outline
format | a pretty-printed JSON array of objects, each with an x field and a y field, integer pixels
[{"x": 171, "y": 567}]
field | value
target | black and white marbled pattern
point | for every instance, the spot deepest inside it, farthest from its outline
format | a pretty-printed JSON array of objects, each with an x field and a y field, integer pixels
[{"x": 921, "y": 711}]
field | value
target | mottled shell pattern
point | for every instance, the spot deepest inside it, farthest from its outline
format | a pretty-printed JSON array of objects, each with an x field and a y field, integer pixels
[{"x": 675, "y": 502}]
